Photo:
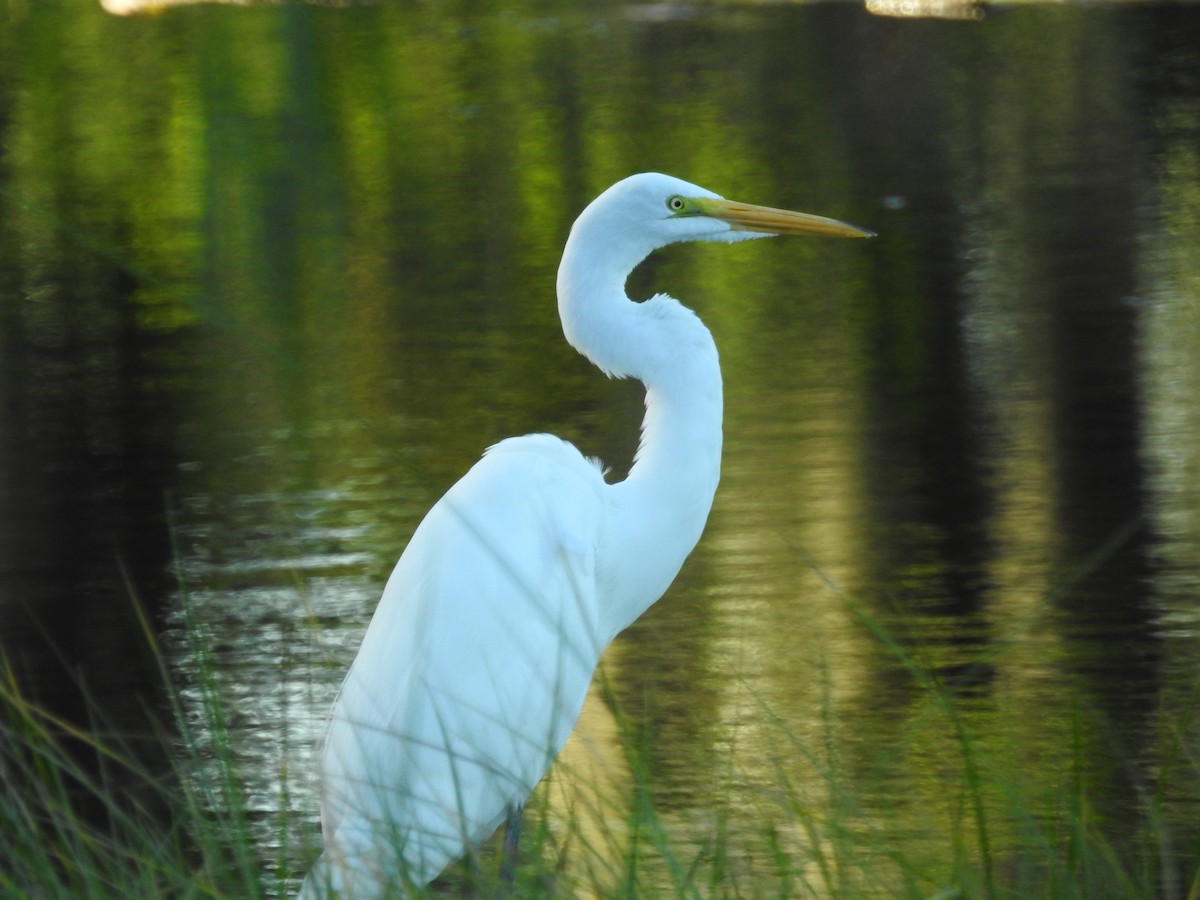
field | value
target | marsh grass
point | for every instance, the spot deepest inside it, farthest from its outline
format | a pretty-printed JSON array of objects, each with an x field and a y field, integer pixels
[
  {"x": 83, "y": 815},
  {"x": 98, "y": 811}
]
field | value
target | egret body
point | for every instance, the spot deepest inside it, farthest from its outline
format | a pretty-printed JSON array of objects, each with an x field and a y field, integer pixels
[{"x": 475, "y": 665}]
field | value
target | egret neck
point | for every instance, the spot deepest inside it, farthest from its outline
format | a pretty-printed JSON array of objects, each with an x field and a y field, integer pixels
[{"x": 665, "y": 500}]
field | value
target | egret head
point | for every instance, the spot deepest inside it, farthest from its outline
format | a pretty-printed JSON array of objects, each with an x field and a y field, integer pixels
[{"x": 644, "y": 212}]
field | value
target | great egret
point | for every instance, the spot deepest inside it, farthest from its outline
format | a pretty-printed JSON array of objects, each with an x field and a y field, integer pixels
[{"x": 475, "y": 665}]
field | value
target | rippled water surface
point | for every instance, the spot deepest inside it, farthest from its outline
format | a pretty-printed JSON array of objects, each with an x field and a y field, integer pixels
[{"x": 271, "y": 278}]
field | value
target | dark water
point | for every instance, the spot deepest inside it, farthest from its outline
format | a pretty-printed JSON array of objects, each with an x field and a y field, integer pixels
[{"x": 272, "y": 278}]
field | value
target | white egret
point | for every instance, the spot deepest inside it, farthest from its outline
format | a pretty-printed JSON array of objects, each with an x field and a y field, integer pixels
[{"x": 475, "y": 665}]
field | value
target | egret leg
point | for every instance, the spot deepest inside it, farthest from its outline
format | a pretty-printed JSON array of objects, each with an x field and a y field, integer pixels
[{"x": 512, "y": 841}]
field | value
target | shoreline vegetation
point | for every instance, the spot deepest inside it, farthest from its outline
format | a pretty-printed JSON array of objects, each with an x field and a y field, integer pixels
[{"x": 83, "y": 816}]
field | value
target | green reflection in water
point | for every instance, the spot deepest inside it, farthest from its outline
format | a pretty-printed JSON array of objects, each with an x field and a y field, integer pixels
[{"x": 328, "y": 238}]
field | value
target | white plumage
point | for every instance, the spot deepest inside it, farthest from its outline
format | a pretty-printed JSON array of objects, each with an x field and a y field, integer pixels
[{"x": 476, "y": 663}]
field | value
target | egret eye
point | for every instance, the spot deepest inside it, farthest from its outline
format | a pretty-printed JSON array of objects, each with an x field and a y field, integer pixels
[{"x": 676, "y": 204}]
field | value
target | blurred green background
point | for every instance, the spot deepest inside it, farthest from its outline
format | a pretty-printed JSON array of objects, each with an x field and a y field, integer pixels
[{"x": 272, "y": 277}]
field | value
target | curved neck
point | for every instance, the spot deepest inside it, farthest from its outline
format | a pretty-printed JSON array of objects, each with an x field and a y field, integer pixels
[{"x": 659, "y": 511}]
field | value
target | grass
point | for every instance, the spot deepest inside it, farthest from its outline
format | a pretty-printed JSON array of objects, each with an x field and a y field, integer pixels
[
  {"x": 90, "y": 812},
  {"x": 83, "y": 815}
]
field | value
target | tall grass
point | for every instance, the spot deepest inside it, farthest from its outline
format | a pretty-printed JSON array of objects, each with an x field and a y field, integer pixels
[
  {"x": 83, "y": 815},
  {"x": 95, "y": 812}
]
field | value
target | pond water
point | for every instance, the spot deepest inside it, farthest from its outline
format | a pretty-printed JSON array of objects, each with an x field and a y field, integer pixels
[{"x": 271, "y": 278}]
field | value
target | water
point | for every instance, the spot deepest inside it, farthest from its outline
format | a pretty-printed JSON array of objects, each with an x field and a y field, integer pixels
[{"x": 272, "y": 278}]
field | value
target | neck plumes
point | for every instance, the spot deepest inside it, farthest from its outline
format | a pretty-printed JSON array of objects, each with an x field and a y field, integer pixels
[{"x": 659, "y": 511}]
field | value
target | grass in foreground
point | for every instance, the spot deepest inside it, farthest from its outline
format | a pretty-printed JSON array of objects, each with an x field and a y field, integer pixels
[{"x": 83, "y": 816}]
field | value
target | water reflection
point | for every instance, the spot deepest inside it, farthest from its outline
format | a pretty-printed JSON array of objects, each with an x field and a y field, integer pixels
[{"x": 312, "y": 279}]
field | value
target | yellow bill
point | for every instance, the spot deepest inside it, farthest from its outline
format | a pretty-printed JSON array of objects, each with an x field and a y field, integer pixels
[{"x": 765, "y": 220}]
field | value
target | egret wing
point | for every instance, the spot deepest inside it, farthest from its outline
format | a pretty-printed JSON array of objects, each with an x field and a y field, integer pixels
[{"x": 473, "y": 669}]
